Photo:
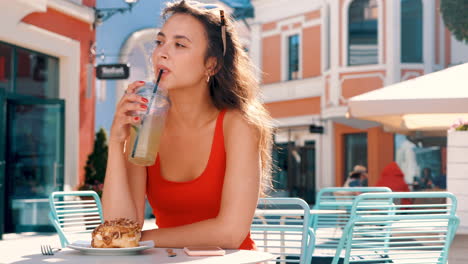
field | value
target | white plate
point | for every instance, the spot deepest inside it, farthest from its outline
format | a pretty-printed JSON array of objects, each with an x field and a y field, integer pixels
[{"x": 85, "y": 248}]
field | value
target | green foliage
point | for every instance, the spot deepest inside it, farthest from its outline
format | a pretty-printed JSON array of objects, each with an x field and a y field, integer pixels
[
  {"x": 462, "y": 128},
  {"x": 455, "y": 15},
  {"x": 95, "y": 169},
  {"x": 459, "y": 125}
]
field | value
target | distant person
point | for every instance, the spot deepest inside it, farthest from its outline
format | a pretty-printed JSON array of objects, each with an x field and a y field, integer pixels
[
  {"x": 415, "y": 183},
  {"x": 360, "y": 168},
  {"x": 364, "y": 176},
  {"x": 393, "y": 178},
  {"x": 353, "y": 180},
  {"x": 406, "y": 159},
  {"x": 426, "y": 179}
]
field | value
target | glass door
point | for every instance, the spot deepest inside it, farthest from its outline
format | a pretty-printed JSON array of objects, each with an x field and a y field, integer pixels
[
  {"x": 355, "y": 152},
  {"x": 301, "y": 173},
  {"x": 34, "y": 155},
  {"x": 308, "y": 169},
  {"x": 2, "y": 163}
]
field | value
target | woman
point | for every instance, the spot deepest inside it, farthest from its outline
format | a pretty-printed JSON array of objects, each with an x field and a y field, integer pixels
[{"x": 214, "y": 159}]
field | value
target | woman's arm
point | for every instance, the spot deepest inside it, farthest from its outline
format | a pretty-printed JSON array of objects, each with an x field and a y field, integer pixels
[
  {"x": 239, "y": 195},
  {"x": 124, "y": 187},
  {"x": 125, "y": 183}
]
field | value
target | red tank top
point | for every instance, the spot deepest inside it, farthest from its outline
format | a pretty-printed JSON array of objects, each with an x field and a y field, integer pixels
[{"x": 182, "y": 203}]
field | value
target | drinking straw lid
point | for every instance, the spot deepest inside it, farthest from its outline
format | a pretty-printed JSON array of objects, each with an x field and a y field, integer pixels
[
  {"x": 155, "y": 89},
  {"x": 157, "y": 81}
]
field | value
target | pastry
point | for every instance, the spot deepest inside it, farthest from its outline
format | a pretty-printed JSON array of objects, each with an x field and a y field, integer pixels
[{"x": 118, "y": 233}]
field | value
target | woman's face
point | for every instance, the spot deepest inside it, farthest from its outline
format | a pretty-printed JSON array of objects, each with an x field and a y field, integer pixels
[{"x": 180, "y": 52}]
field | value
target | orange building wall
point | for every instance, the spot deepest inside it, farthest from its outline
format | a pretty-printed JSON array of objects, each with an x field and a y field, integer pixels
[
  {"x": 269, "y": 26},
  {"x": 327, "y": 90},
  {"x": 405, "y": 71},
  {"x": 311, "y": 50},
  {"x": 90, "y": 3},
  {"x": 271, "y": 60},
  {"x": 59, "y": 23},
  {"x": 357, "y": 86},
  {"x": 306, "y": 106},
  {"x": 312, "y": 15},
  {"x": 380, "y": 151}
]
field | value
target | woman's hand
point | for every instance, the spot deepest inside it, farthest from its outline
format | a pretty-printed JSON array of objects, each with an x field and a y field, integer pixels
[{"x": 130, "y": 102}]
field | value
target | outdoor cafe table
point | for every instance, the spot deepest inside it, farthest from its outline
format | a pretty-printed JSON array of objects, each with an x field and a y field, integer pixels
[{"x": 152, "y": 255}]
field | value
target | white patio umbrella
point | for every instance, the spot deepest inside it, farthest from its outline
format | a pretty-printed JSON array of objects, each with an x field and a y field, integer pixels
[{"x": 430, "y": 102}]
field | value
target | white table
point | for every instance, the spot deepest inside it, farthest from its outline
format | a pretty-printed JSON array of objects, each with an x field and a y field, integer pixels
[{"x": 153, "y": 255}]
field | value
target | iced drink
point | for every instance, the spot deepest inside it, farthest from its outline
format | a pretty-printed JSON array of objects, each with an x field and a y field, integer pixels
[{"x": 143, "y": 144}]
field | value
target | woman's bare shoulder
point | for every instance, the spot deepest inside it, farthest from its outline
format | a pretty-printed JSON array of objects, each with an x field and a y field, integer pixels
[{"x": 236, "y": 126}]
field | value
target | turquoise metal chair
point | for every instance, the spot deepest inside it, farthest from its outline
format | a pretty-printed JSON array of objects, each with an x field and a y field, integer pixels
[
  {"x": 329, "y": 227},
  {"x": 281, "y": 227},
  {"x": 74, "y": 213},
  {"x": 383, "y": 231}
]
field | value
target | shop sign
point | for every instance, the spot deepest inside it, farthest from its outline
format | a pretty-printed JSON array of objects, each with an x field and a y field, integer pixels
[{"x": 112, "y": 71}]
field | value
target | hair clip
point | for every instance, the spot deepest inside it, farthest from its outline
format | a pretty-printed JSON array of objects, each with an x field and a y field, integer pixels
[{"x": 223, "y": 30}]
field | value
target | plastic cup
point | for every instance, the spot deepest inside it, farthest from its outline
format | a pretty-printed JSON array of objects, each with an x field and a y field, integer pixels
[{"x": 143, "y": 144}]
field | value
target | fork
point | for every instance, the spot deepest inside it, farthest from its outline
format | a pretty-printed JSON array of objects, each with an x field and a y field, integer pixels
[{"x": 48, "y": 250}]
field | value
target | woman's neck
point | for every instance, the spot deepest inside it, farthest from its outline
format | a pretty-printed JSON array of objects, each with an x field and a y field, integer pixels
[{"x": 191, "y": 107}]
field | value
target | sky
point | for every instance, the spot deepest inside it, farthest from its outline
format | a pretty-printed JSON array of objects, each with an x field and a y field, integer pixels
[{"x": 111, "y": 36}]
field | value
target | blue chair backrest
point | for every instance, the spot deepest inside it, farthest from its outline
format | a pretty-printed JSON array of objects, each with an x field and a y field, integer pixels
[
  {"x": 281, "y": 227},
  {"x": 75, "y": 212},
  {"x": 381, "y": 230},
  {"x": 329, "y": 227}
]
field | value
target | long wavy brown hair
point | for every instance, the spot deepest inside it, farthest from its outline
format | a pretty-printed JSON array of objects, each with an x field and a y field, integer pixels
[{"x": 234, "y": 86}]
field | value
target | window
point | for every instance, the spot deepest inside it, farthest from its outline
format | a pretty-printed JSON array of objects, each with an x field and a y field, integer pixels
[
  {"x": 422, "y": 160},
  {"x": 27, "y": 72},
  {"x": 293, "y": 57},
  {"x": 363, "y": 32},
  {"x": 5, "y": 66},
  {"x": 36, "y": 74},
  {"x": 355, "y": 151},
  {"x": 411, "y": 31}
]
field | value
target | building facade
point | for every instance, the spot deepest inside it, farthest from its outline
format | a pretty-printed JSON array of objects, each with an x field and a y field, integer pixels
[
  {"x": 46, "y": 105},
  {"x": 315, "y": 55}
]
